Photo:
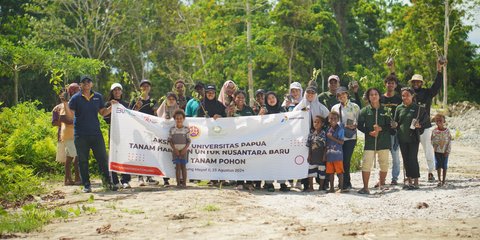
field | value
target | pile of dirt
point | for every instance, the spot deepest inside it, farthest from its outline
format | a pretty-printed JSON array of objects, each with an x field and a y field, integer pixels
[{"x": 464, "y": 122}]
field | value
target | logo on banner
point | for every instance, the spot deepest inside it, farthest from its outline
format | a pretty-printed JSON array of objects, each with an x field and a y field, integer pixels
[
  {"x": 284, "y": 119},
  {"x": 194, "y": 131}
]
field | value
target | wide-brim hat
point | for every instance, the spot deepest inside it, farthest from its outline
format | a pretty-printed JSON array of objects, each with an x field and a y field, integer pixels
[{"x": 416, "y": 77}]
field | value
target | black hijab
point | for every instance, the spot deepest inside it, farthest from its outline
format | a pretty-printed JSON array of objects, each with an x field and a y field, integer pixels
[{"x": 273, "y": 109}]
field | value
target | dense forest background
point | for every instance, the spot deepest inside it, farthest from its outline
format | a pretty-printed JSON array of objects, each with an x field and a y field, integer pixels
[{"x": 45, "y": 44}]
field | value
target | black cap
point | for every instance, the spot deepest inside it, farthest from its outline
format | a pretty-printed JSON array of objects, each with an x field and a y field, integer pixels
[
  {"x": 342, "y": 89},
  {"x": 311, "y": 88},
  {"x": 210, "y": 87},
  {"x": 199, "y": 85},
  {"x": 85, "y": 78},
  {"x": 259, "y": 91},
  {"x": 145, "y": 81}
]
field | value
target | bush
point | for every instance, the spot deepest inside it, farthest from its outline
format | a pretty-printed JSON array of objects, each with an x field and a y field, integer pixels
[
  {"x": 356, "y": 161},
  {"x": 28, "y": 138}
]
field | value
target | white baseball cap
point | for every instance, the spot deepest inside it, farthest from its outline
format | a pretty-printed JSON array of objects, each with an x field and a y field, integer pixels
[{"x": 115, "y": 85}]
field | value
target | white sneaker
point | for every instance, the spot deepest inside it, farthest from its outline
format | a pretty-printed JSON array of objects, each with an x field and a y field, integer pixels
[
  {"x": 119, "y": 185},
  {"x": 126, "y": 185}
]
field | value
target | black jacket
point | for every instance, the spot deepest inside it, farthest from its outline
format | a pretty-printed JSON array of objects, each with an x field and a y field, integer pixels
[
  {"x": 424, "y": 96},
  {"x": 212, "y": 107}
]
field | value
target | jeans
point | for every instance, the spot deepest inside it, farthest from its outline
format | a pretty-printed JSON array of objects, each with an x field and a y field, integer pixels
[
  {"x": 348, "y": 147},
  {"x": 83, "y": 144},
  {"x": 426, "y": 141},
  {"x": 395, "y": 152}
]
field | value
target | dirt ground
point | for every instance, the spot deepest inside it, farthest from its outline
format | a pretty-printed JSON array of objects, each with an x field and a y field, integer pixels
[{"x": 157, "y": 212}]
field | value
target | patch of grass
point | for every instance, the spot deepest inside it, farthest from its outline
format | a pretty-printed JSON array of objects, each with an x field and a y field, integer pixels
[
  {"x": 211, "y": 208},
  {"x": 33, "y": 217},
  {"x": 458, "y": 134},
  {"x": 132, "y": 211},
  {"x": 203, "y": 183}
]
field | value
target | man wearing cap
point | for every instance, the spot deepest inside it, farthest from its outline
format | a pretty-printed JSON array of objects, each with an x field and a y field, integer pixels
[
  {"x": 424, "y": 97},
  {"x": 116, "y": 93},
  {"x": 85, "y": 107},
  {"x": 65, "y": 138},
  {"x": 191, "y": 110},
  {"x": 329, "y": 98},
  {"x": 147, "y": 105}
]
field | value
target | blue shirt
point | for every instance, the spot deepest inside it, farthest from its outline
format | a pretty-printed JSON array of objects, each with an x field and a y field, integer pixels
[
  {"x": 334, "y": 150},
  {"x": 191, "y": 110},
  {"x": 85, "y": 121}
]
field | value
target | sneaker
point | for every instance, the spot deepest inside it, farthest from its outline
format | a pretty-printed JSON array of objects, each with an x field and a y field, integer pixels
[
  {"x": 87, "y": 189},
  {"x": 431, "y": 178},
  {"x": 126, "y": 185},
  {"x": 152, "y": 181},
  {"x": 239, "y": 187},
  {"x": 166, "y": 183},
  {"x": 119, "y": 185},
  {"x": 298, "y": 185},
  {"x": 394, "y": 182}
]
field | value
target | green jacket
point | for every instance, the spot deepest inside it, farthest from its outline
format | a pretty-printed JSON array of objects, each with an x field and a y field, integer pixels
[
  {"x": 404, "y": 116},
  {"x": 366, "y": 120}
]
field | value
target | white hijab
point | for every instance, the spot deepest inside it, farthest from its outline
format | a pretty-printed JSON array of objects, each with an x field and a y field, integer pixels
[{"x": 315, "y": 107}]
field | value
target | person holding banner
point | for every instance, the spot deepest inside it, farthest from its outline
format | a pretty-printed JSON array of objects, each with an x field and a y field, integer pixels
[
  {"x": 116, "y": 93},
  {"x": 147, "y": 105},
  {"x": 241, "y": 109},
  {"x": 179, "y": 139},
  {"x": 273, "y": 106},
  {"x": 85, "y": 107}
]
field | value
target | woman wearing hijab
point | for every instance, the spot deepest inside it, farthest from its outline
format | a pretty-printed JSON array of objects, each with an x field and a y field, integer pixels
[
  {"x": 226, "y": 93},
  {"x": 168, "y": 107},
  {"x": 211, "y": 107}
]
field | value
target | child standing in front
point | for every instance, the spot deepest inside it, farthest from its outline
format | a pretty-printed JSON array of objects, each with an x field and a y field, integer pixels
[
  {"x": 179, "y": 139},
  {"x": 441, "y": 141},
  {"x": 316, "y": 153},
  {"x": 334, "y": 154}
]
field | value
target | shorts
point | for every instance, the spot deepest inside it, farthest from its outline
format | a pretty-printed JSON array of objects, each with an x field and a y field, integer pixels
[
  {"x": 313, "y": 170},
  {"x": 441, "y": 162},
  {"x": 369, "y": 157},
  {"x": 334, "y": 167},
  {"x": 180, "y": 161},
  {"x": 70, "y": 149},
  {"x": 61, "y": 156}
]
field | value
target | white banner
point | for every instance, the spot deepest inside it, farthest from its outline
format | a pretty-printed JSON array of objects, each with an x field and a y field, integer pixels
[{"x": 270, "y": 147}]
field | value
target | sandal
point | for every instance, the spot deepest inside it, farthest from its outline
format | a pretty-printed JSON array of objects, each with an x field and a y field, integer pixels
[{"x": 363, "y": 191}]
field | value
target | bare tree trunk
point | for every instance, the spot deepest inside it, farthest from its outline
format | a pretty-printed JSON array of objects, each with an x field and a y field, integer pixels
[
  {"x": 15, "y": 87},
  {"x": 290, "y": 61},
  {"x": 250, "y": 64},
  {"x": 446, "y": 39}
]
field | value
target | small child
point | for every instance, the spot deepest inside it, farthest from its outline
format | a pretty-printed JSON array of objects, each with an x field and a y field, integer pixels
[
  {"x": 316, "y": 153},
  {"x": 179, "y": 139},
  {"x": 441, "y": 141},
  {"x": 334, "y": 150}
]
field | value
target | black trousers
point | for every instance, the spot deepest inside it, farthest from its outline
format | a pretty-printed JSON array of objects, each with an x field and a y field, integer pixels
[{"x": 410, "y": 158}]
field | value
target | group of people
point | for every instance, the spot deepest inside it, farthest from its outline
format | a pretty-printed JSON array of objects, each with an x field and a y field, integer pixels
[{"x": 393, "y": 122}]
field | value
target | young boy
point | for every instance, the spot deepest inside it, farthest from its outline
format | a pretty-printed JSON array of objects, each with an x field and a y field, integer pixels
[
  {"x": 441, "y": 141},
  {"x": 179, "y": 139},
  {"x": 334, "y": 150},
  {"x": 316, "y": 153}
]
